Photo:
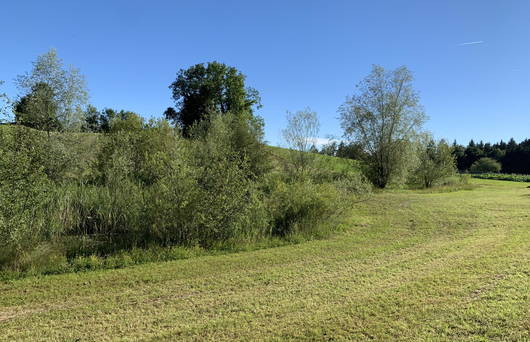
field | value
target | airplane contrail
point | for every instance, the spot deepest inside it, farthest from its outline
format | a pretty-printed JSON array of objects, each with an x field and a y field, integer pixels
[{"x": 471, "y": 43}]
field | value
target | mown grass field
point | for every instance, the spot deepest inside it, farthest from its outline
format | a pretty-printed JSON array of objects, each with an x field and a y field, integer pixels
[{"x": 407, "y": 265}]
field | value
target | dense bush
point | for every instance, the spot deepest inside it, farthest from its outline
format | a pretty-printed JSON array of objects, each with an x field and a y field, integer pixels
[
  {"x": 435, "y": 164},
  {"x": 27, "y": 196},
  {"x": 485, "y": 165},
  {"x": 299, "y": 207},
  {"x": 140, "y": 185},
  {"x": 208, "y": 193}
]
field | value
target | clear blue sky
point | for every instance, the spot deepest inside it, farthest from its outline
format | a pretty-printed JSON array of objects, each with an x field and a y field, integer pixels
[{"x": 296, "y": 53}]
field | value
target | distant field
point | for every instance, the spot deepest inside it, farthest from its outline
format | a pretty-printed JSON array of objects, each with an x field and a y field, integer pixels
[
  {"x": 503, "y": 176},
  {"x": 409, "y": 265}
]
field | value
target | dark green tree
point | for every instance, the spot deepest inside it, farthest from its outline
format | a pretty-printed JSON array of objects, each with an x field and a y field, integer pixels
[
  {"x": 102, "y": 122},
  {"x": 92, "y": 120},
  {"x": 351, "y": 151},
  {"x": 459, "y": 152},
  {"x": 38, "y": 109},
  {"x": 209, "y": 88}
]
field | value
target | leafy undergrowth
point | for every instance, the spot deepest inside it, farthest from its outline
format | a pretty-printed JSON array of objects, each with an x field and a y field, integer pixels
[{"x": 411, "y": 266}]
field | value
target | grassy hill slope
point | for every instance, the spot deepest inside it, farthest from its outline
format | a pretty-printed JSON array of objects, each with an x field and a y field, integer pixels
[{"x": 410, "y": 266}]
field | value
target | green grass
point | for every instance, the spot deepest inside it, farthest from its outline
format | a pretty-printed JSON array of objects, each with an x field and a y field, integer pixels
[
  {"x": 409, "y": 265},
  {"x": 503, "y": 176},
  {"x": 320, "y": 161}
]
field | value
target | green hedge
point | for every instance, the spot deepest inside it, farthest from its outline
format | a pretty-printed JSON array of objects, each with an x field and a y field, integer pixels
[{"x": 503, "y": 176}]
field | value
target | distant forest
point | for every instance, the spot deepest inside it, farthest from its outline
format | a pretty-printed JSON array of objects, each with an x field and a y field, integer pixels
[{"x": 513, "y": 157}]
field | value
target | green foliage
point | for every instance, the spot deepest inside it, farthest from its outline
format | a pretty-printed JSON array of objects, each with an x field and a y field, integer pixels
[
  {"x": 299, "y": 207},
  {"x": 354, "y": 184},
  {"x": 103, "y": 121},
  {"x": 384, "y": 118},
  {"x": 503, "y": 176},
  {"x": 485, "y": 165},
  {"x": 26, "y": 194},
  {"x": 38, "y": 109},
  {"x": 135, "y": 149},
  {"x": 141, "y": 185},
  {"x": 207, "y": 196},
  {"x": 436, "y": 162},
  {"x": 67, "y": 90},
  {"x": 306, "y": 203},
  {"x": 92, "y": 120},
  {"x": 344, "y": 150},
  {"x": 151, "y": 186},
  {"x": 514, "y": 157},
  {"x": 229, "y": 204},
  {"x": 209, "y": 88},
  {"x": 246, "y": 138},
  {"x": 243, "y": 136},
  {"x": 456, "y": 182}
]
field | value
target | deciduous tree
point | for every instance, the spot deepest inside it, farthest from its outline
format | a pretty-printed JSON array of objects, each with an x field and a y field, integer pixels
[
  {"x": 300, "y": 133},
  {"x": 436, "y": 162},
  {"x": 38, "y": 109},
  {"x": 204, "y": 89},
  {"x": 383, "y": 116},
  {"x": 66, "y": 85}
]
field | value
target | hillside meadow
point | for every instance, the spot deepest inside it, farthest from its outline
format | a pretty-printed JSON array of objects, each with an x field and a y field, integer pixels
[{"x": 405, "y": 266}]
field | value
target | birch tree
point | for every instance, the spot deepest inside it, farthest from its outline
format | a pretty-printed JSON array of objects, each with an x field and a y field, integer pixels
[
  {"x": 300, "y": 133},
  {"x": 66, "y": 84}
]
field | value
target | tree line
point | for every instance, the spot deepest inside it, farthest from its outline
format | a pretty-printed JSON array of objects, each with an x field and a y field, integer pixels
[
  {"x": 506, "y": 157},
  {"x": 510, "y": 157}
]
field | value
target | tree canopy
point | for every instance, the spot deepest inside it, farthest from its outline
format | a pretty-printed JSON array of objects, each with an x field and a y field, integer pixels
[
  {"x": 104, "y": 120},
  {"x": 65, "y": 86},
  {"x": 383, "y": 116},
  {"x": 38, "y": 109},
  {"x": 209, "y": 88}
]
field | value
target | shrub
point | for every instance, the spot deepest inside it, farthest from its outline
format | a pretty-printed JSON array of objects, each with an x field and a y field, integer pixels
[
  {"x": 435, "y": 164},
  {"x": 27, "y": 205},
  {"x": 484, "y": 165},
  {"x": 300, "y": 207},
  {"x": 228, "y": 205},
  {"x": 354, "y": 183},
  {"x": 146, "y": 187}
]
